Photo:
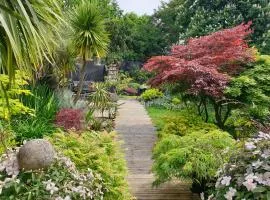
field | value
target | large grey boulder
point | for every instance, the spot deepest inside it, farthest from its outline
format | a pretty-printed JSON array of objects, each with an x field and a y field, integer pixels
[{"x": 36, "y": 154}]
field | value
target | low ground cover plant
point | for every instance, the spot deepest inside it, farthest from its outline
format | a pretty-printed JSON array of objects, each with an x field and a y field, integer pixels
[
  {"x": 60, "y": 181},
  {"x": 99, "y": 152},
  {"x": 247, "y": 174}
]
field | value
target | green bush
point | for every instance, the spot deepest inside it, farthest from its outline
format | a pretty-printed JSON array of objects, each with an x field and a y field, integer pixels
[
  {"x": 134, "y": 85},
  {"x": 151, "y": 94},
  {"x": 43, "y": 101},
  {"x": 188, "y": 147},
  {"x": 239, "y": 124},
  {"x": 196, "y": 156},
  {"x": 99, "y": 152},
  {"x": 252, "y": 88},
  {"x": 186, "y": 122},
  {"x": 10, "y": 104},
  {"x": 176, "y": 101},
  {"x": 31, "y": 128},
  {"x": 45, "y": 105}
]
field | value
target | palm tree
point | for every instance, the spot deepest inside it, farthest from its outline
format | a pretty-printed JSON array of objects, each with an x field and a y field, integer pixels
[
  {"x": 27, "y": 33},
  {"x": 89, "y": 35},
  {"x": 28, "y": 29}
]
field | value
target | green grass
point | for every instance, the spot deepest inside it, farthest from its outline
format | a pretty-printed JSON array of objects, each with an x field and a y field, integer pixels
[{"x": 158, "y": 115}]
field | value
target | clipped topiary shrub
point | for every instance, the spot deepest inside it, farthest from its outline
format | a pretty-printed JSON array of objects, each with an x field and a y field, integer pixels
[{"x": 69, "y": 119}]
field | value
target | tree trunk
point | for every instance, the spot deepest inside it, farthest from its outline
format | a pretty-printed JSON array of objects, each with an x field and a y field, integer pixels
[
  {"x": 205, "y": 110},
  {"x": 81, "y": 81}
]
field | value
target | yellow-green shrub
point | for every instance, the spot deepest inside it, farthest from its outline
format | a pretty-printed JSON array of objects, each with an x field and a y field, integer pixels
[
  {"x": 99, "y": 152},
  {"x": 151, "y": 94}
]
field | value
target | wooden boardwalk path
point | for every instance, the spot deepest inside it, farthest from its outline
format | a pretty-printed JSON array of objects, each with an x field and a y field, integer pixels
[{"x": 138, "y": 133}]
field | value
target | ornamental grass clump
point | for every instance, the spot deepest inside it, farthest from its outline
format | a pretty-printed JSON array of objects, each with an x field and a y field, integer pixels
[{"x": 247, "y": 174}]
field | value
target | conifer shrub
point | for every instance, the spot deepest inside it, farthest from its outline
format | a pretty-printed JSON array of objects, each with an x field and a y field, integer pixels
[
  {"x": 100, "y": 152},
  {"x": 196, "y": 156}
]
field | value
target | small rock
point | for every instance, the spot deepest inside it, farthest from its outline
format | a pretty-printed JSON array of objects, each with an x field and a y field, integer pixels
[{"x": 36, "y": 154}]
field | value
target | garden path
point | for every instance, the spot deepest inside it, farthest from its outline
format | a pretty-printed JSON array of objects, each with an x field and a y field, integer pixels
[{"x": 138, "y": 134}]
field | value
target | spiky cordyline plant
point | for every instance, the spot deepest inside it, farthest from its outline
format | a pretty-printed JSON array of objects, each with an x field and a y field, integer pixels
[
  {"x": 89, "y": 36},
  {"x": 28, "y": 31}
]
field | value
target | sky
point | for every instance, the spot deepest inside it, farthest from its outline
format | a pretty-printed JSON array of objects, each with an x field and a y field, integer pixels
[{"x": 139, "y": 6}]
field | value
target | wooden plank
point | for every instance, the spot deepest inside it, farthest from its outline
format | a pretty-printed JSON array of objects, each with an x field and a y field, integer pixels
[{"x": 139, "y": 136}]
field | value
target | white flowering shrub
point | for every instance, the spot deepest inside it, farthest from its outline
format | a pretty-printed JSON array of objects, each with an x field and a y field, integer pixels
[
  {"x": 247, "y": 175},
  {"x": 61, "y": 181}
]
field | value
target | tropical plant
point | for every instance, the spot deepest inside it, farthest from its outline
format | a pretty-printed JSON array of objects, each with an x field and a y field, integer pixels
[
  {"x": 101, "y": 153},
  {"x": 101, "y": 100},
  {"x": 88, "y": 35},
  {"x": 28, "y": 31},
  {"x": 204, "y": 65},
  {"x": 247, "y": 174},
  {"x": 151, "y": 94}
]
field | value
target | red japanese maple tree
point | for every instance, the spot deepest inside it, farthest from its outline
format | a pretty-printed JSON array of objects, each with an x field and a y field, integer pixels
[{"x": 205, "y": 65}]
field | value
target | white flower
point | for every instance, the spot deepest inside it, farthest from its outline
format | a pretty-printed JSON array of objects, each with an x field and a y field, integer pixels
[
  {"x": 218, "y": 182},
  {"x": 250, "y": 146},
  {"x": 266, "y": 153},
  {"x": 230, "y": 194},
  {"x": 259, "y": 178},
  {"x": 50, "y": 186},
  {"x": 66, "y": 198},
  {"x": 264, "y": 135},
  {"x": 202, "y": 196},
  {"x": 226, "y": 180},
  {"x": 251, "y": 176},
  {"x": 210, "y": 197},
  {"x": 256, "y": 152},
  {"x": 250, "y": 185},
  {"x": 257, "y": 164}
]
